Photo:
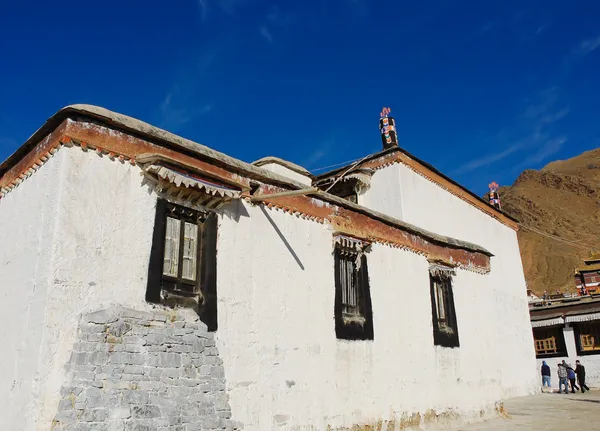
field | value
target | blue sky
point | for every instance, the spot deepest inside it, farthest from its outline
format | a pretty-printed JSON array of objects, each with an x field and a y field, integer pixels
[{"x": 479, "y": 89}]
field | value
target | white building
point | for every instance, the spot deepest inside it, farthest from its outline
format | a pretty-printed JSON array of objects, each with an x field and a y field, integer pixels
[
  {"x": 383, "y": 292},
  {"x": 569, "y": 330}
]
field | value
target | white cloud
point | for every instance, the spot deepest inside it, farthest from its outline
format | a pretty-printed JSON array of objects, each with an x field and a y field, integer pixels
[
  {"x": 264, "y": 32},
  {"x": 534, "y": 139},
  {"x": 488, "y": 159},
  {"x": 177, "y": 114},
  {"x": 184, "y": 99},
  {"x": 547, "y": 149},
  {"x": 587, "y": 46},
  {"x": 230, "y": 7},
  {"x": 203, "y": 6},
  {"x": 277, "y": 18}
]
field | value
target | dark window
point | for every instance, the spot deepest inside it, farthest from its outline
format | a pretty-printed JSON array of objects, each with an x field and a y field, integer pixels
[
  {"x": 353, "y": 313},
  {"x": 549, "y": 342},
  {"x": 182, "y": 267},
  {"x": 587, "y": 336},
  {"x": 445, "y": 327}
]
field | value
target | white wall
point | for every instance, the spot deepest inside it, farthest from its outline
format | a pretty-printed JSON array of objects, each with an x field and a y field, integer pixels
[
  {"x": 285, "y": 368},
  {"x": 27, "y": 223},
  {"x": 85, "y": 224},
  {"x": 425, "y": 204},
  {"x": 286, "y": 172},
  {"x": 384, "y": 193},
  {"x": 590, "y": 362}
]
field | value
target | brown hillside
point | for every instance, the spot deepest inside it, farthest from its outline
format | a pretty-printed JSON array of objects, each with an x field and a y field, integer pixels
[{"x": 562, "y": 201}]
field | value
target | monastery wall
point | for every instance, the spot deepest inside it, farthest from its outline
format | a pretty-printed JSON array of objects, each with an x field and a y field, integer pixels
[
  {"x": 27, "y": 227},
  {"x": 86, "y": 223},
  {"x": 143, "y": 370},
  {"x": 277, "y": 337},
  {"x": 76, "y": 238},
  {"x": 383, "y": 195},
  {"x": 429, "y": 206},
  {"x": 288, "y": 173}
]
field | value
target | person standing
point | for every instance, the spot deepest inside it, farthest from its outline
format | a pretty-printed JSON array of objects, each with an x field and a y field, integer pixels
[
  {"x": 580, "y": 371},
  {"x": 562, "y": 378},
  {"x": 571, "y": 377},
  {"x": 545, "y": 375}
]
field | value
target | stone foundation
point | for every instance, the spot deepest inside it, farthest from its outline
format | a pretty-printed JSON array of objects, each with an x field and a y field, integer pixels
[{"x": 144, "y": 371}]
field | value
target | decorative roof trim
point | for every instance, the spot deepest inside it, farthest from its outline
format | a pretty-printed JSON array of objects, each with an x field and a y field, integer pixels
[
  {"x": 350, "y": 242},
  {"x": 583, "y": 318},
  {"x": 122, "y": 138},
  {"x": 547, "y": 322},
  {"x": 356, "y": 225},
  {"x": 388, "y": 157},
  {"x": 180, "y": 179},
  {"x": 442, "y": 271}
]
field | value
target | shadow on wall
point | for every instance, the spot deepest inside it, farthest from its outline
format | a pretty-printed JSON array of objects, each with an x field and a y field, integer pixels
[{"x": 285, "y": 242}]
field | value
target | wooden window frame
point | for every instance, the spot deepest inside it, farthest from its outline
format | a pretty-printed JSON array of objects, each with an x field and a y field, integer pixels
[
  {"x": 582, "y": 331},
  {"x": 358, "y": 324},
  {"x": 203, "y": 291},
  {"x": 445, "y": 327},
  {"x": 549, "y": 335},
  {"x": 178, "y": 284}
]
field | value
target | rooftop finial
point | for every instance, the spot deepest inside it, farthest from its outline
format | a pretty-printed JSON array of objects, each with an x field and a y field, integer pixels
[
  {"x": 494, "y": 197},
  {"x": 387, "y": 127}
]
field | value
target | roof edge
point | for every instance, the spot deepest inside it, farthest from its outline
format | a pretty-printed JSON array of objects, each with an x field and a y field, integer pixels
[
  {"x": 169, "y": 140},
  {"x": 146, "y": 131},
  {"x": 426, "y": 165},
  {"x": 286, "y": 164}
]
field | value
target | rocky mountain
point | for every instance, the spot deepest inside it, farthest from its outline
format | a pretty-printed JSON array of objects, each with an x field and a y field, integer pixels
[{"x": 559, "y": 210}]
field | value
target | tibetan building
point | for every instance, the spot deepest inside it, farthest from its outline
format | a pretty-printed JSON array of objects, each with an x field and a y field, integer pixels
[
  {"x": 149, "y": 282},
  {"x": 587, "y": 276}
]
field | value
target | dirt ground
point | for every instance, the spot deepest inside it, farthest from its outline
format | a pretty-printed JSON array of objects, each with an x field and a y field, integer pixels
[{"x": 548, "y": 412}]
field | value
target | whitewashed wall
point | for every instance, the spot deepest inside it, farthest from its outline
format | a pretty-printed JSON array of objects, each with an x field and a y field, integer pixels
[
  {"x": 286, "y": 369},
  {"x": 425, "y": 204},
  {"x": 79, "y": 237},
  {"x": 27, "y": 223},
  {"x": 287, "y": 172},
  {"x": 384, "y": 194},
  {"x": 590, "y": 362},
  {"x": 86, "y": 224}
]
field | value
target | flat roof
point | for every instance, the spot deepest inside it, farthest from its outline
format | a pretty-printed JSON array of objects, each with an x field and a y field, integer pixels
[
  {"x": 291, "y": 166},
  {"x": 147, "y": 132},
  {"x": 566, "y": 307},
  {"x": 325, "y": 176}
]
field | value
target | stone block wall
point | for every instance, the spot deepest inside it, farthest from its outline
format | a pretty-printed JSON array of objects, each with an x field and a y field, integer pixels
[{"x": 144, "y": 371}]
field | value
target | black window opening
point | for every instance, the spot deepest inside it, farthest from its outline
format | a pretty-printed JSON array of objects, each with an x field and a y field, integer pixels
[
  {"x": 353, "y": 310},
  {"x": 549, "y": 342},
  {"x": 182, "y": 268},
  {"x": 445, "y": 327}
]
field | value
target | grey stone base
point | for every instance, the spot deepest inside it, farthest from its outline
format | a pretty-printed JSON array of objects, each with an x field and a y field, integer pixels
[{"x": 144, "y": 371}]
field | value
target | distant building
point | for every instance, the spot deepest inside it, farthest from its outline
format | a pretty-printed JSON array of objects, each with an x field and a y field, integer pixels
[
  {"x": 587, "y": 276},
  {"x": 568, "y": 329}
]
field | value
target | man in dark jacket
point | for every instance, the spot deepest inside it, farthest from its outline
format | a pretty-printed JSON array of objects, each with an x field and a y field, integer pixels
[
  {"x": 546, "y": 376},
  {"x": 580, "y": 371}
]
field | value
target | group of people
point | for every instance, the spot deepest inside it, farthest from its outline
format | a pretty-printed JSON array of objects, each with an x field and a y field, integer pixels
[{"x": 566, "y": 374}]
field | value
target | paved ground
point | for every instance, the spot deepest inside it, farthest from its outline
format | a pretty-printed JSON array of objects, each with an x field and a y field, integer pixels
[{"x": 547, "y": 412}]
